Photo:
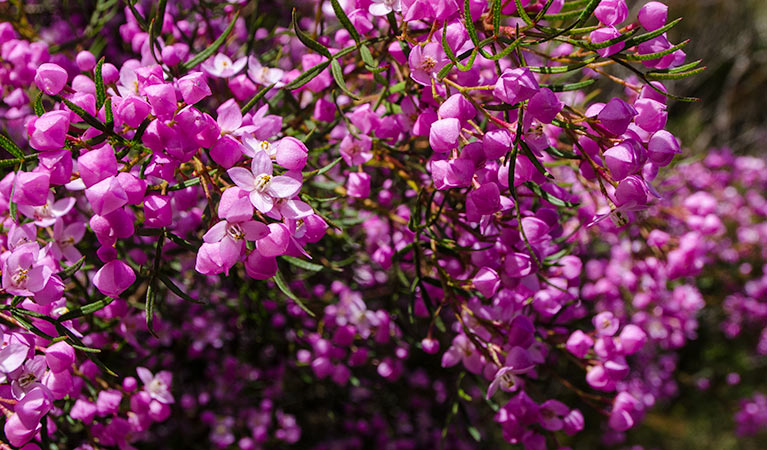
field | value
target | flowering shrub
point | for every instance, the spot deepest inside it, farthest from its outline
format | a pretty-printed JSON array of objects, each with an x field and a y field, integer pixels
[{"x": 382, "y": 226}]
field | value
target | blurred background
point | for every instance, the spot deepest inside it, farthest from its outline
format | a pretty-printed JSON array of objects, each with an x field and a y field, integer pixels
[{"x": 731, "y": 39}]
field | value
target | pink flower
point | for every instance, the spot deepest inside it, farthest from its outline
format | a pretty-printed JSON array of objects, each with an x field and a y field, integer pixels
[
  {"x": 51, "y": 78},
  {"x": 231, "y": 237},
  {"x": 222, "y": 66},
  {"x": 23, "y": 274},
  {"x": 515, "y": 85},
  {"x": 603, "y": 35},
  {"x": 158, "y": 385},
  {"x": 356, "y": 151},
  {"x": 425, "y": 62},
  {"x": 113, "y": 278},
  {"x": 262, "y": 186},
  {"x": 193, "y": 87}
]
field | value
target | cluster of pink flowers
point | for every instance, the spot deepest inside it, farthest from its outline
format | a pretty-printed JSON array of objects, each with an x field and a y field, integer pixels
[{"x": 416, "y": 191}]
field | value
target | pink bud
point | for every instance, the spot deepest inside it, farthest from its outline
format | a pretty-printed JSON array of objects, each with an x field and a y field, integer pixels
[
  {"x": 315, "y": 228},
  {"x": 622, "y": 160},
  {"x": 358, "y": 185},
  {"x": 515, "y": 85},
  {"x": 157, "y": 211},
  {"x": 497, "y": 143},
  {"x": 544, "y": 106},
  {"x": 109, "y": 73},
  {"x": 59, "y": 165},
  {"x": 162, "y": 97},
  {"x": 291, "y": 153},
  {"x": 579, "y": 343},
  {"x": 430, "y": 345},
  {"x": 651, "y": 115},
  {"x": 259, "y": 267},
  {"x": 518, "y": 265},
  {"x": 276, "y": 242},
  {"x": 31, "y": 188},
  {"x": 662, "y": 148},
  {"x": 85, "y": 61},
  {"x": 60, "y": 356},
  {"x": 631, "y": 190},
  {"x": 113, "y": 278},
  {"x": 443, "y": 135},
  {"x": 51, "y": 78},
  {"x": 486, "y": 199},
  {"x": 83, "y": 410},
  {"x": 603, "y": 35},
  {"x": 632, "y": 339},
  {"x": 134, "y": 187},
  {"x": 616, "y": 116},
  {"x": 226, "y": 152},
  {"x": 97, "y": 165},
  {"x": 108, "y": 402},
  {"x": 487, "y": 281},
  {"x": 457, "y": 107},
  {"x": 48, "y": 132},
  {"x": 611, "y": 12},
  {"x": 16, "y": 432},
  {"x": 653, "y": 15},
  {"x": 193, "y": 87},
  {"x": 133, "y": 110}
]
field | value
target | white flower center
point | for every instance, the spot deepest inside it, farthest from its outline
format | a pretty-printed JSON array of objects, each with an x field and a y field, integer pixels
[{"x": 262, "y": 182}]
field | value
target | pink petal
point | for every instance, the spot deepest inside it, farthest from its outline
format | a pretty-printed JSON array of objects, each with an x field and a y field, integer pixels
[
  {"x": 284, "y": 187},
  {"x": 242, "y": 178}
]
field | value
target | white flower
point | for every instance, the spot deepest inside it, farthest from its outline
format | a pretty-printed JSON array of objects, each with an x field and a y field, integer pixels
[
  {"x": 223, "y": 67},
  {"x": 384, "y": 7}
]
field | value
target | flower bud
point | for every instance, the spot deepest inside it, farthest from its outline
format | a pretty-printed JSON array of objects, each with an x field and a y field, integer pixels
[
  {"x": 193, "y": 87},
  {"x": 443, "y": 135},
  {"x": 616, "y": 116},
  {"x": 48, "y": 132},
  {"x": 653, "y": 15},
  {"x": 113, "y": 278},
  {"x": 291, "y": 153},
  {"x": 515, "y": 85},
  {"x": 603, "y": 35},
  {"x": 611, "y": 12},
  {"x": 85, "y": 61},
  {"x": 358, "y": 185},
  {"x": 51, "y": 78}
]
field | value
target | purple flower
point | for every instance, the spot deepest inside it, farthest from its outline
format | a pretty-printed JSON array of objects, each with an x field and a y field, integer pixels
[
  {"x": 22, "y": 273},
  {"x": 425, "y": 62},
  {"x": 262, "y": 186},
  {"x": 158, "y": 385}
]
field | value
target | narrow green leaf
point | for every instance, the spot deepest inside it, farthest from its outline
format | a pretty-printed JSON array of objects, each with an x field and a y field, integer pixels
[
  {"x": 344, "y": 19},
  {"x": 323, "y": 170},
  {"x": 101, "y": 93},
  {"x": 570, "y": 86},
  {"x": 85, "y": 115},
  {"x": 38, "y": 105},
  {"x": 306, "y": 265},
  {"x": 256, "y": 98},
  {"x": 108, "y": 115},
  {"x": 182, "y": 242},
  {"x": 674, "y": 75},
  {"x": 28, "y": 325},
  {"x": 682, "y": 68},
  {"x": 651, "y": 35},
  {"x": 177, "y": 290},
  {"x": 212, "y": 48},
  {"x": 308, "y": 41},
  {"x": 338, "y": 76},
  {"x": 533, "y": 159},
  {"x": 537, "y": 190},
  {"x": 84, "y": 310},
  {"x": 8, "y": 145},
  {"x": 68, "y": 271},
  {"x": 307, "y": 76},
  {"x": 283, "y": 286},
  {"x": 149, "y": 308},
  {"x": 496, "y": 17},
  {"x": 159, "y": 18},
  {"x": 522, "y": 13},
  {"x": 561, "y": 69},
  {"x": 656, "y": 55}
]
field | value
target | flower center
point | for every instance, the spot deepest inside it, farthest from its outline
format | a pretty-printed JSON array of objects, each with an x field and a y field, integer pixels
[
  {"x": 428, "y": 63},
  {"x": 235, "y": 231},
  {"x": 262, "y": 182},
  {"x": 19, "y": 278},
  {"x": 27, "y": 379}
]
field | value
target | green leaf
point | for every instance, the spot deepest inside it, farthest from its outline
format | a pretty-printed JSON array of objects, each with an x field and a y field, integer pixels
[
  {"x": 85, "y": 115},
  {"x": 212, "y": 48},
  {"x": 306, "y": 265},
  {"x": 533, "y": 159},
  {"x": 280, "y": 282},
  {"x": 522, "y": 13},
  {"x": 656, "y": 55},
  {"x": 101, "y": 94},
  {"x": 678, "y": 69},
  {"x": 256, "y": 98},
  {"x": 323, "y": 170},
  {"x": 496, "y": 17},
  {"x": 570, "y": 86},
  {"x": 68, "y": 271},
  {"x": 177, "y": 290},
  {"x": 28, "y": 325},
  {"x": 308, "y": 41},
  {"x": 674, "y": 75},
  {"x": 108, "y": 115},
  {"x": 159, "y": 18},
  {"x": 338, "y": 76},
  {"x": 559, "y": 153},
  {"x": 307, "y": 76},
  {"x": 84, "y": 310},
  {"x": 344, "y": 19},
  {"x": 651, "y": 35},
  {"x": 38, "y": 105},
  {"x": 149, "y": 308},
  {"x": 561, "y": 69},
  {"x": 537, "y": 190},
  {"x": 8, "y": 145},
  {"x": 182, "y": 242}
]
